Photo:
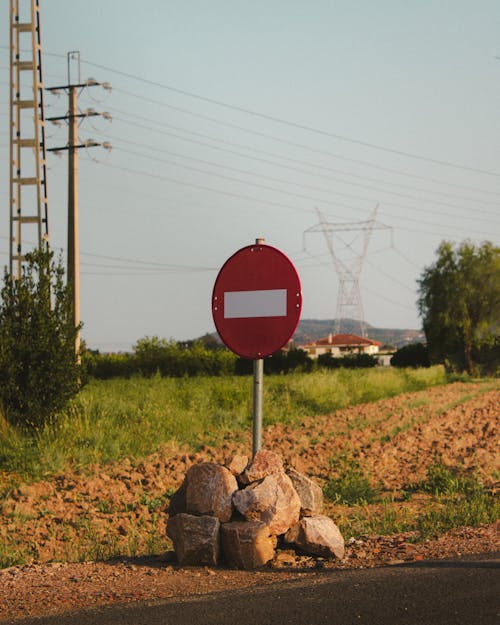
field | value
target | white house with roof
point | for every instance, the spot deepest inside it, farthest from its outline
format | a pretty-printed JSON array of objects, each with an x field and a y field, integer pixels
[{"x": 340, "y": 345}]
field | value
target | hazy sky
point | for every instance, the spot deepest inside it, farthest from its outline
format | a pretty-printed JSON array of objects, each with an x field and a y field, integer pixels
[{"x": 236, "y": 119}]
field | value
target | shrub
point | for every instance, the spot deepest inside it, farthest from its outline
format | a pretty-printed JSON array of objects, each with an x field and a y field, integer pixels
[
  {"x": 354, "y": 361},
  {"x": 107, "y": 366},
  {"x": 39, "y": 372},
  {"x": 414, "y": 355},
  {"x": 293, "y": 360}
]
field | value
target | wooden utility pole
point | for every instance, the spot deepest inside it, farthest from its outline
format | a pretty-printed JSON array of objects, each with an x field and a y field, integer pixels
[
  {"x": 73, "y": 232},
  {"x": 73, "y": 117}
]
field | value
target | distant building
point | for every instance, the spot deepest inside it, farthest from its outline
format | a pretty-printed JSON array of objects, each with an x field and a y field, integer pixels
[{"x": 340, "y": 345}]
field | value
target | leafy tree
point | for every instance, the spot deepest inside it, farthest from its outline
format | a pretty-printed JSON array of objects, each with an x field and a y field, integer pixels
[
  {"x": 169, "y": 358},
  {"x": 460, "y": 303},
  {"x": 154, "y": 355},
  {"x": 39, "y": 372},
  {"x": 413, "y": 355}
]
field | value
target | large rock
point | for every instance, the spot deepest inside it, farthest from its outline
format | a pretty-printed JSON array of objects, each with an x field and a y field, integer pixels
[
  {"x": 317, "y": 536},
  {"x": 264, "y": 463},
  {"x": 310, "y": 494},
  {"x": 196, "y": 538},
  {"x": 177, "y": 502},
  {"x": 247, "y": 544},
  {"x": 209, "y": 490},
  {"x": 237, "y": 464},
  {"x": 272, "y": 501}
]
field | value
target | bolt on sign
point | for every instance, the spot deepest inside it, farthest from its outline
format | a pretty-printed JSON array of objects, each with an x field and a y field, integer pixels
[{"x": 257, "y": 301}]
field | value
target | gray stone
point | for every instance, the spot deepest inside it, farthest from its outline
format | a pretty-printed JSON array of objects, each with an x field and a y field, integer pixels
[
  {"x": 209, "y": 490},
  {"x": 196, "y": 539},
  {"x": 177, "y": 502},
  {"x": 272, "y": 501},
  {"x": 310, "y": 494},
  {"x": 247, "y": 544},
  {"x": 264, "y": 463},
  {"x": 318, "y": 536}
]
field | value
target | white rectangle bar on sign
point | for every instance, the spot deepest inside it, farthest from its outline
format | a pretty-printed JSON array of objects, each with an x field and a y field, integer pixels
[{"x": 247, "y": 304}]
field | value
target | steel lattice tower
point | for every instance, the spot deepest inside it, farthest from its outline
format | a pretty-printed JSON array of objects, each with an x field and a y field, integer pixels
[
  {"x": 29, "y": 224},
  {"x": 349, "y": 302}
]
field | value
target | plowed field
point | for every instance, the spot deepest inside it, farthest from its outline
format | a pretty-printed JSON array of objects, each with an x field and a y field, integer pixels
[{"x": 114, "y": 518}]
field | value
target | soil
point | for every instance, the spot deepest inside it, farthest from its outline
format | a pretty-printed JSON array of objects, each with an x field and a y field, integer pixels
[{"x": 120, "y": 508}]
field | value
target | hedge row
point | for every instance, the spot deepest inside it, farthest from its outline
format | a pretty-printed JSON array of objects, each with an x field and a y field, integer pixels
[{"x": 154, "y": 356}]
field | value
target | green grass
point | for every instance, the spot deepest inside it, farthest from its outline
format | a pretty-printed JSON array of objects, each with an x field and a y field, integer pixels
[
  {"x": 113, "y": 419},
  {"x": 444, "y": 480},
  {"x": 460, "y": 500},
  {"x": 455, "y": 500},
  {"x": 363, "y": 522},
  {"x": 479, "y": 508},
  {"x": 352, "y": 487}
]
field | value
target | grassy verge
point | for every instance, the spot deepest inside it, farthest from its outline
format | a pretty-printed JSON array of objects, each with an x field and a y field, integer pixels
[
  {"x": 116, "y": 418},
  {"x": 451, "y": 499}
]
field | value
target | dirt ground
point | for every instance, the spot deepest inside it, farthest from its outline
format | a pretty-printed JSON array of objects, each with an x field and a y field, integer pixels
[{"x": 120, "y": 508}]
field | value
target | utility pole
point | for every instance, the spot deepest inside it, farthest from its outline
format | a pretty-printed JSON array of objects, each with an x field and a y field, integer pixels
[
  {"x": 349, "y": 302},
  {"x": 73, "y": 247},
  {"x": 72, "y": 117},
  {"x": 28, "y": 173}
]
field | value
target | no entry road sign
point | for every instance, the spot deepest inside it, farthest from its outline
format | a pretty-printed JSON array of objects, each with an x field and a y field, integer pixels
[{"x": 256, "y": 301}]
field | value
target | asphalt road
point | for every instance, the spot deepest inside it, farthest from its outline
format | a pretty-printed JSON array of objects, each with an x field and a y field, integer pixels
[{"x": 458, "y": 592}]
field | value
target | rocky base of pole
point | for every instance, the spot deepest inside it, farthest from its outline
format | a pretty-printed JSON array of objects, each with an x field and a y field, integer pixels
[{"x": 236, "y": 514}]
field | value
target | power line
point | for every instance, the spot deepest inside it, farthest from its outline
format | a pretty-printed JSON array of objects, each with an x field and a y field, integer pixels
[
  {"x": 281, "y": 120},
  {"x": 313, "y": 188},
  {"x": 239, "y": 180},
  {"x": 291, "y": 124},
  {"x": 146, "y": 264},
  {"x": 384, "y": 273},
  {"x": 387, "y": 299},
  {"x": 156, "y": 264},
  {"x": 205, "y": 188},
  {"x": 301, "y": 196},
  {"x": 301, "y": 162},
  {"x": 300, "y": 145}
]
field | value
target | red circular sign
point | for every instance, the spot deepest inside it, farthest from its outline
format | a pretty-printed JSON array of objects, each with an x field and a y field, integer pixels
[{"x": 256, "y": 301}]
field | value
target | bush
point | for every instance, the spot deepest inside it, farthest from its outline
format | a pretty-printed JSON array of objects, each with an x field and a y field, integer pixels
[
  {"x": 296, "y": 360},
  {"x": 39, "y": 372},
  {"x": 169, "y": 358},
  {"x": 354, "y": 361},
  {"x": 414, "y": 355},
  {"x": 107, "y": 366}
]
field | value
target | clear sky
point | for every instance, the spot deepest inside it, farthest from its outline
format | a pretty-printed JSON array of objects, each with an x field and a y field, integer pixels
[{"x": 235, "y": 119}]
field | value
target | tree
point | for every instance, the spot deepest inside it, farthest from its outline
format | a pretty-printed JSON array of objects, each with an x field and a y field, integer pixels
[
  {"x": 39, "y": 371},
  {"x": 459, "y": 303},
  {"x": 413, "y": 355}
]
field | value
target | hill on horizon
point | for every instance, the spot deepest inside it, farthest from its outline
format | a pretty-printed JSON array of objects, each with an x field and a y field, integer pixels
[{"x": 312, "y": 329}]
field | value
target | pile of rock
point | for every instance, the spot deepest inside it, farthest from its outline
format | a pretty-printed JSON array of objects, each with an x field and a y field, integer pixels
[{"x": 235, "y": 513}]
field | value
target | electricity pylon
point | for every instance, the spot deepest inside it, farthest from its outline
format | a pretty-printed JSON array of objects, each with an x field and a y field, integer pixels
[
  {"x": 29, "y": 222},
  {"x": 349, "y": 302}
]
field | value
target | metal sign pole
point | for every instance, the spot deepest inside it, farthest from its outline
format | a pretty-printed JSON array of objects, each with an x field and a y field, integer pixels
[
  {"x": 258, "y": 382},
  {"x": 256, "y": 304}
]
